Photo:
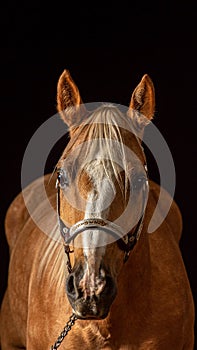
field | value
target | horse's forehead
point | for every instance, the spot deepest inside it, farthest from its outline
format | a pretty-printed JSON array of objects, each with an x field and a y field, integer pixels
[
  {"x": 104, "y": 147},
  {"x": 100, "y": 167},
  {"x": 98, "y": 164},
  {"x": 95, "y": 165}
]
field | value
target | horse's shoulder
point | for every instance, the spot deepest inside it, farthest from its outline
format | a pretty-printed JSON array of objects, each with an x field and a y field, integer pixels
[
  {"x": 173, "y": 218},
  {"x": 17, "y": 214}
]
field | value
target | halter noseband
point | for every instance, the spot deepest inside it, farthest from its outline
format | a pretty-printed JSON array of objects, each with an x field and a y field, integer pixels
[{"x": 125, "y": 242}]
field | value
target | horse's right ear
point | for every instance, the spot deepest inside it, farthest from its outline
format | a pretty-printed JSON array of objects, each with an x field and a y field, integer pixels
[
  {"x": 142, "y": 101},
  {"x": 69, "y": 103}
]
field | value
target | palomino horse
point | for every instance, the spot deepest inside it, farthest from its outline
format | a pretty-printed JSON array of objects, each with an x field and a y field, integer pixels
[{"x": 127, "y": 288}]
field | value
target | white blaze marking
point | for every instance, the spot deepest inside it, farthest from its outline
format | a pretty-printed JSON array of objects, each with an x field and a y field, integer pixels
[
  {"x": 98, "y": 203},
  {"x": 94, "y": 241}
]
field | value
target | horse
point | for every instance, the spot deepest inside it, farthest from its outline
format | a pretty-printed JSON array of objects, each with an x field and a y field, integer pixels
[{"x": 124, "y": 288}]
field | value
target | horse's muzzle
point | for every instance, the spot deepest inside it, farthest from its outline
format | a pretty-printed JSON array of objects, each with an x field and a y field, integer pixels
[{"x": 94, "y": 305}]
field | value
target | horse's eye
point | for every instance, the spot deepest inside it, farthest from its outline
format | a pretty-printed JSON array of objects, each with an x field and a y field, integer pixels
[
  {"x": 62, "y": 179},
  {"x": 138, "y": 182}
]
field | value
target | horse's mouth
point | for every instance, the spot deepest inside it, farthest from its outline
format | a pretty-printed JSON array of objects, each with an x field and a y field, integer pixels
[
  {"x": 93, "y": 307},
  {"x": 90, "y": 310},
  {"x": 91, "y": 317}
]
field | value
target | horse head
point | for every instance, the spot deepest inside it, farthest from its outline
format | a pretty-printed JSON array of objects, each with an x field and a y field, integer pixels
[{"x": 102, "y": 192}]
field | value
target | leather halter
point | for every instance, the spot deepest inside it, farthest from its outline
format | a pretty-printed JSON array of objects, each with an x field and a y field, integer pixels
[{"x": 125, "y": 242}]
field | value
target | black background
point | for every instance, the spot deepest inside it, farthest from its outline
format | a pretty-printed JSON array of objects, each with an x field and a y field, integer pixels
[{"x": 107, "y": 48}]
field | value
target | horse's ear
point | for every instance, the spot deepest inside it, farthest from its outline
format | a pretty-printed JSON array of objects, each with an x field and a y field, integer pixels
[
  {"x": 69, "y": 103},
  {"x": 142, "y": 101}
]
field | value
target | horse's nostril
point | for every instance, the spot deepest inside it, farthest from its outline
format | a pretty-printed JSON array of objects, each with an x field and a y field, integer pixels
[
  {"x": 70, "y": 285},
  {"x": 110, "y": 287}
]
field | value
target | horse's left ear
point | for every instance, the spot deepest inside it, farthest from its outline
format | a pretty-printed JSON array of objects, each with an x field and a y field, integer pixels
[
  {"x": 69, "y": 102},
  {"x": 142, "y": 101}
]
